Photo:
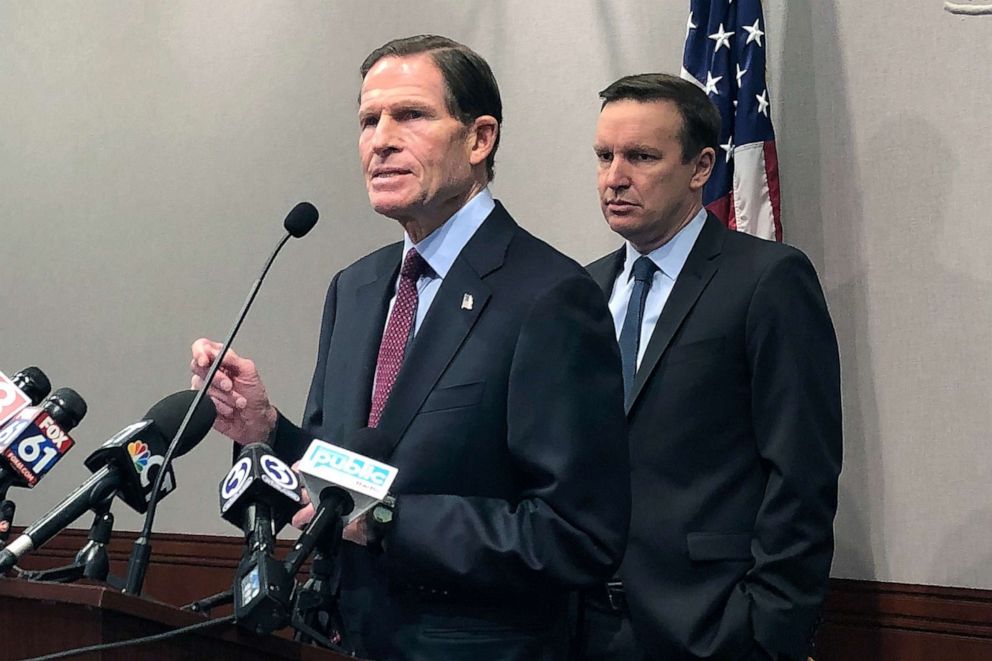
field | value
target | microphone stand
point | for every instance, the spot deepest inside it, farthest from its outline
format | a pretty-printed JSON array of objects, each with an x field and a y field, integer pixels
[
  {"x": 92, "y": 561},
  {"x": 207, "y": 603},
  {"x": 312, "y": 609},
  {"x": 316, "y": 617},
  {"x": 142, "y": 550},
  {"x": 7, "y": 508},
  {"x": 315, "y": 614}
]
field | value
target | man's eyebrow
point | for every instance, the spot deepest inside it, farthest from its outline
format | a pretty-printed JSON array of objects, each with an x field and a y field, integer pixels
[
  {"x": 641, "y": 147},
  {"x": 626, "y": 149},
  {"x": 399, "y": 104}
]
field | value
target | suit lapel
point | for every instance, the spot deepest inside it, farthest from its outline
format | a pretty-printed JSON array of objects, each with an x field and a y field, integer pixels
[
  {"x": 448, "y": 322},
  {"x": 365, "y": 323},
  {"x": 606, "y": 270},
  {"x": 699, "y": 268}
]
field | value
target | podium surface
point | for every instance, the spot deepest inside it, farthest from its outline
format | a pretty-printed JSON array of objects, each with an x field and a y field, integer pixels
[{"x": 42, "y": 618}]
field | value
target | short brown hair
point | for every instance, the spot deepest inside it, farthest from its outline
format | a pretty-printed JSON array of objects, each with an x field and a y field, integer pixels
[
  {"x": 700, "y": 118},
  {"x": 470, "y": 87}
]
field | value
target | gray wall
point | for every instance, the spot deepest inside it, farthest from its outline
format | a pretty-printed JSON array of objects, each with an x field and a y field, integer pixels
[{"x": 149, "y": 150}]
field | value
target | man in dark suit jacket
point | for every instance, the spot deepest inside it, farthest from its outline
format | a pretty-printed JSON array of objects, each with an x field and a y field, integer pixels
[
  {"x": 488, "y": 360},
  {"x": 733, "y": 403}
]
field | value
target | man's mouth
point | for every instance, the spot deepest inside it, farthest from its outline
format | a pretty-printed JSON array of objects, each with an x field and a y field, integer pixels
[{"x": 386, "y": 173}]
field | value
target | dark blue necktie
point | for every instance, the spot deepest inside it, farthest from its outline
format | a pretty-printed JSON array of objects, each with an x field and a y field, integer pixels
[{"x": 630, "y": 333}]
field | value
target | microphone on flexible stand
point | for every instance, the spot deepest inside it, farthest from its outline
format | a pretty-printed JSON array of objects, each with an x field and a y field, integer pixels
[{"x": 298, "y": 222}]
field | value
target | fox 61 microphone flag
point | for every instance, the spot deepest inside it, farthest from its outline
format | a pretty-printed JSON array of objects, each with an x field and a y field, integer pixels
[
  {"x": 38, "y": 437},
  {"x": 366, "y": 480},
  {"x": 32, "y": 443}
]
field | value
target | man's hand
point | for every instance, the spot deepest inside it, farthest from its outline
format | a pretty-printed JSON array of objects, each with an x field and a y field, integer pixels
[
  {"x": 244, "y": 413},
  {"x": 357, "y": 531},
  {"x": 302, "y": 518}
]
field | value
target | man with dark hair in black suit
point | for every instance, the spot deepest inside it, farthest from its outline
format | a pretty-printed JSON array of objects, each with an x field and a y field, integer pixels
[
  {"x": 487, "y": 357},
  {"x": 732, "y": 390}
]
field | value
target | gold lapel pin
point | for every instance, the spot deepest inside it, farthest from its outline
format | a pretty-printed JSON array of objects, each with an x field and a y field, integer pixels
[{"x": 467, "y": 302}]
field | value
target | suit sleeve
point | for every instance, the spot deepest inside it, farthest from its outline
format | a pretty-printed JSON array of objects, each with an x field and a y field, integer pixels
[
  {"x": 796, "y": 409},
  {"x": 566, "y": 432},
  {"x": 287, "y": 440}
]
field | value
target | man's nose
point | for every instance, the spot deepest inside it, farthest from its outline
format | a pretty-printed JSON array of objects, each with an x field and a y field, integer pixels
[
  {"x": 617, "y": 175},
  {"x": 385, "y": 138}
]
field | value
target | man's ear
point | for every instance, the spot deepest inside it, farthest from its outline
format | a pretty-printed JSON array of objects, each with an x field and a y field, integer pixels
[
  {"x": 482, "y": 138},
  {"x": 703, "y": 169}
]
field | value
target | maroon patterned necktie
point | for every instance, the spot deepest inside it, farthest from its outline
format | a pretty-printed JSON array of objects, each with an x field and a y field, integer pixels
[{"x": 397, "y": 333}]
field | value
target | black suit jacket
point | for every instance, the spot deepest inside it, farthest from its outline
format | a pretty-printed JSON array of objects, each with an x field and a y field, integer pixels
[
  {"x": 735, "y": 442},
  {"x": 509, "y": 431}
]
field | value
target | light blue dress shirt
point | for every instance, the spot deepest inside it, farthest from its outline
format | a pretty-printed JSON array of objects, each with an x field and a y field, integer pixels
[
  {"x": 441, "y": 247},
  {"x": 669, "y": 258}
]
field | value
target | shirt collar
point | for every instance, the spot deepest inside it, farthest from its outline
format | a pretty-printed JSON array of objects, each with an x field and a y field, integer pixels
[
  {"x": 669, "y": 257},
  {"x": 442, "y": 246}
]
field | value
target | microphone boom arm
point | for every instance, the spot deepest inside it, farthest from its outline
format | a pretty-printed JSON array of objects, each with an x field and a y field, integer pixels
[{"x": 141, "y": 552}]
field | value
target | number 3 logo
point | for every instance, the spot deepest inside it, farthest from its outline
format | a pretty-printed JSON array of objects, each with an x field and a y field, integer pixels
[
  {"x": 236, "y": 477},
  {"x": 280, "y": 472}
]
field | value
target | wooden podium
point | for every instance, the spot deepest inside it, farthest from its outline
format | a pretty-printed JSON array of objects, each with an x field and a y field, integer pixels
[{"x": 43, "y": 618}]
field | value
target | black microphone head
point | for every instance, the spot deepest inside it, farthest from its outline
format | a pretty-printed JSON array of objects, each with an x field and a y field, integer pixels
[
  {"x": 301, "y": 219},
  {"x": 33, "y": 383},
  {"x": 259, "y": 477},
  {"x": 168, "y": 414},
  {"x": 371, "y": 442},
  {"x": 66, "y": 407}
]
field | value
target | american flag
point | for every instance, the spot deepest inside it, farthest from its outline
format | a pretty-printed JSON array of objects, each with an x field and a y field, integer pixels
[{"x": 725, "y": 56}]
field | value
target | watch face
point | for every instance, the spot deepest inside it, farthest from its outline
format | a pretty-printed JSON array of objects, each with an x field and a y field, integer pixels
[{"x": 382, "y": 514}]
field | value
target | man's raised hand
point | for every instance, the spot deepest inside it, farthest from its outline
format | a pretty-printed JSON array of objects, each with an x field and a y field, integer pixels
[{"x": 244, "y": 413}]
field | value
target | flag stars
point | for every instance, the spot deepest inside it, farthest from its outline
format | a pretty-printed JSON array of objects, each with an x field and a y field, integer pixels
[
  {"x": 762, "y": 102},
  {"x": 690, "y": 26},
  {"x": 722, "y": 38},
  {"x": 754, "y": 32},
  {"x": 729, "y": 147},
  {"x": 711, "y": 83},
  {"x": 740, "y": 74}
]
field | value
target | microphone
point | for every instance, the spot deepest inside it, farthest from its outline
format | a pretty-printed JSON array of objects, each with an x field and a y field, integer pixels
[
  {"x": 37, "y": 438},
  {"x": 138, "y": 450},
  {"x": 123, "y": 464},
  {"x": 259, "y": 480},
  {"x": 330, "y": 471},
  {"x": 342, "y": 484},
  {"x": 298, "y": 222},
  {"x": 301, "y": 219},
  {"x": 259, "y": 494},
  {"x": 26, "y": 388}
]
